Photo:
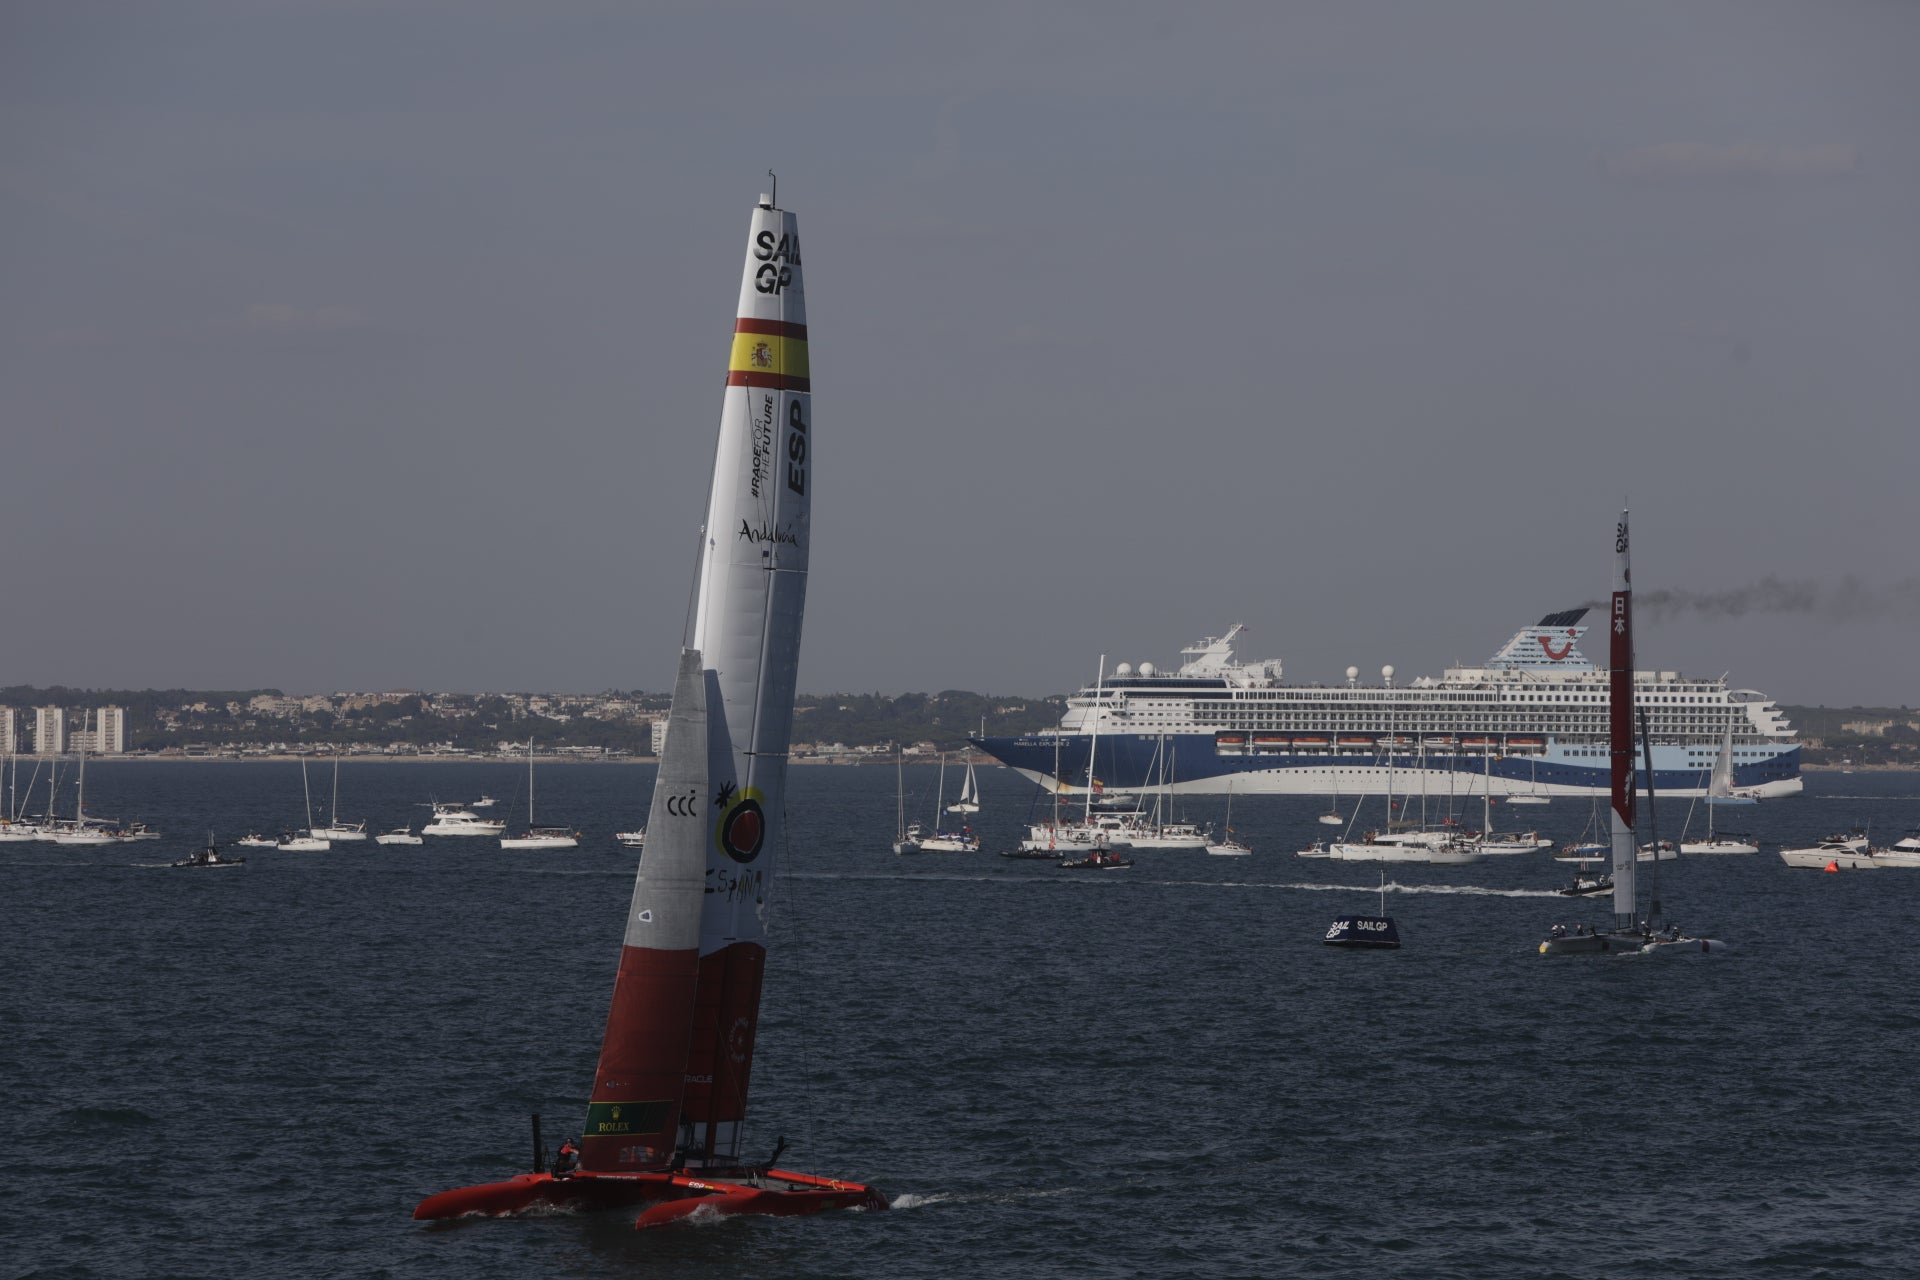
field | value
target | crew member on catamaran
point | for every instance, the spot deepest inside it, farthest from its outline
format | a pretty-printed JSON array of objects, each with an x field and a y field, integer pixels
[{"x": 567, "y": 1160}]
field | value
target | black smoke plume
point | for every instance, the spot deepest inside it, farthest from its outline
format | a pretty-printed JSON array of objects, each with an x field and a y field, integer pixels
[{"x": 1845, "y": 599}]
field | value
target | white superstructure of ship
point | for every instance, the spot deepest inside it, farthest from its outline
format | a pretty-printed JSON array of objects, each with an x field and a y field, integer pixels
[{"x": 1532, "y": 720}]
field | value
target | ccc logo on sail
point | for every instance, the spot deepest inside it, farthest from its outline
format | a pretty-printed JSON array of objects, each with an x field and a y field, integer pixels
[{"x": 684, "y": 806}]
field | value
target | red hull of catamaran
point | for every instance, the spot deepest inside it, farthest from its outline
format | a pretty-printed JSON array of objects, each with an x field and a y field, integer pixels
[{"x": 667, "y": 1197}]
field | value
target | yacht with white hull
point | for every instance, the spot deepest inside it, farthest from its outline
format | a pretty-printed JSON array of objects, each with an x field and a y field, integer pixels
[
  {"x": 451, "y": 820},
  {"x": 1532, "y": 721}
]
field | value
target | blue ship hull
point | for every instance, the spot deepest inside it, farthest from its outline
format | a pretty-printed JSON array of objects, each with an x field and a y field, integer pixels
[{"x": 1135, "y": 762}]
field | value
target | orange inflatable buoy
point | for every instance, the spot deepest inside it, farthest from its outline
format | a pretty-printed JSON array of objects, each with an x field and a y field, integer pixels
[{"x": 1832, "y": 866}]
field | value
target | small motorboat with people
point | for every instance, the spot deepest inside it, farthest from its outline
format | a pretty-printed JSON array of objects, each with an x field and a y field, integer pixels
[
  {"x": 1366, "y": 933},
  {"x": 1098, "y": 860},
  {"x": 1024, "y": 854},
  {"x": 1316, "y": 849},
  {"x": 635, "y": 839},
  {"x": 254, "y": 840},
  {"x": 399, "y": 835},
  {"x": 484, "y": 802},
  {"x": 1904, "y": 852},
  {"x": 210, "y": 856},
  {"x": 1588, "y": 884}
]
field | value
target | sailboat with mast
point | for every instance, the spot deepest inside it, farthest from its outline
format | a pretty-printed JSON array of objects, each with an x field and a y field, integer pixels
[
  {"x": 1633, "y": 930},
  {"x": 539, "y": 837},
  {"x": 1720, "y": 791},
  {"x": 303, "y": 841},
  {"x": 938, "y": 841},
  {"x": 666, "y": 1122},
  {"x": 83, "y": 829},
  {"x": 336, "y": 829},
  {"x": 969, "y": 798}
]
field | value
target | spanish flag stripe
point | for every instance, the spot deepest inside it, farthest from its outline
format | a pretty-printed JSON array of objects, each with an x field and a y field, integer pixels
[
  {"x": 756, "y": 353},
  {"x": 773, "y": 381},
  {"x": 779, "y": 328}
]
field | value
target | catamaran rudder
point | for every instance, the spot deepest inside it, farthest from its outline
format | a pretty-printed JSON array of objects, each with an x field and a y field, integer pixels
[{"x": 664, "y": 1124}]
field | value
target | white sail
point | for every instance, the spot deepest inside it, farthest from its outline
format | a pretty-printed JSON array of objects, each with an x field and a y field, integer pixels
[
  {"x": 1720, "y": 784},
  {"x": 752, "y": 592}
]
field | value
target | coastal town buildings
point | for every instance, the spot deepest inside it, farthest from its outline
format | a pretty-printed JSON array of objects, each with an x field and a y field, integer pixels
[{"x": 49, "y": 731}]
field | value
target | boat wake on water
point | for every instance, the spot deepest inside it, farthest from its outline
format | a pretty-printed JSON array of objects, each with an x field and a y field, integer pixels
[{"x": 1304, "y": 886}]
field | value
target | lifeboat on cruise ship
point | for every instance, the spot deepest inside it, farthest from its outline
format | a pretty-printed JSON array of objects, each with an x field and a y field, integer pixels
[
  {"x": 1230, "y": 744},
  {"x": 1395, "y": 743},
  {"x": 1526, "y": 744},
  {"x": 1348, "y": 741},
  {"x": 1444, "y": 742},
  {"x": 1311, "y": 744},
  {"x": 1270, "y": 744},
  {"x": 1476, "y": 743}
]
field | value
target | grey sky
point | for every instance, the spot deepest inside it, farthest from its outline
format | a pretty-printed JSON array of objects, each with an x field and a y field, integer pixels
[{"x": 375, "y": 345}]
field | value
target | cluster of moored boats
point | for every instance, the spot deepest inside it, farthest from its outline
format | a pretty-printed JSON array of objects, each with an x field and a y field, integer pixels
[
  {"x": 447, "y": 820},
  {"x": 1107, "y": 830}
]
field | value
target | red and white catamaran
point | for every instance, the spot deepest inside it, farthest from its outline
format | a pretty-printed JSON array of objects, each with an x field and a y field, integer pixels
[{"x": 664, "y": 1125}]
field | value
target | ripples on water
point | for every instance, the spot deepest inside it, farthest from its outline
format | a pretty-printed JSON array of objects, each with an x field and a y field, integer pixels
[{"x": 258, "y": 1072}]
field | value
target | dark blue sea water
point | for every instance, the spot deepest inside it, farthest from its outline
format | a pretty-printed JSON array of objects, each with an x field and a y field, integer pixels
[{"x": 1157, "y": 1072}]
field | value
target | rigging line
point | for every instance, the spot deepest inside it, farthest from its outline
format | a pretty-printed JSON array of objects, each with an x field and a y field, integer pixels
[{"x": 790, "y": 916}]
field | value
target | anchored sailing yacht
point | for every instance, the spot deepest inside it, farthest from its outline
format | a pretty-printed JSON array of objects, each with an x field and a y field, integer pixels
[
  {"x": 665, "y": 1128},
  {"x": 539, "y": 837},
  {"x": 336, "y": 829}
]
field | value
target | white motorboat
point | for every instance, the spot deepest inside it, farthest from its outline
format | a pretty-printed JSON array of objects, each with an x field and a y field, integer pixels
[
  {"x": 450, "y": 820},
  {"x": 1665, "y": 852},
  {"x": 632, "y": 839},
  {"x": 256, "y": 841},
  {"x": 1842, "y": 854},
  {"x": 484, "y": 802},
  {"x": 399, "y": 835},
  {"x": 539, "y": 837},
  {"x": 1318, "y": 849}
]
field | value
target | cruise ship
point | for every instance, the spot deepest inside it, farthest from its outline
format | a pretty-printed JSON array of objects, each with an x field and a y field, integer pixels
[{"x": 1533, "y": 720}]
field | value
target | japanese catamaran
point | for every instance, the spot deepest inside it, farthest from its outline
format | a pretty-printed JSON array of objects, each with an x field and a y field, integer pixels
[
  {"x": 1633, "y": 930},
  {"x": 664, "y": 1130}
]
